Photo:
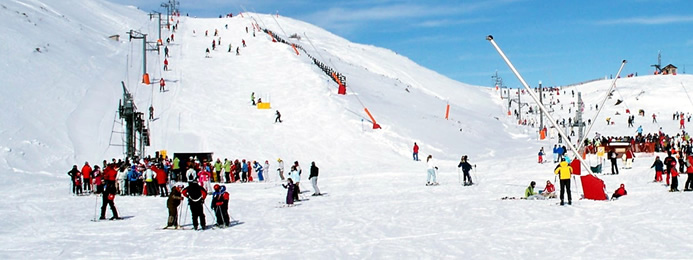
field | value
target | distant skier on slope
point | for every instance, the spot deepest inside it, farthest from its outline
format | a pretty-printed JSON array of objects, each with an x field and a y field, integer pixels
[
  {"x": 75, "y": 179},
  {"x": 314, "y": 179},
  {"x": 431, "y": 171},
  {"x": 416, "y": 152},
  {"x": 278, "y": 118},
  {"x": 465, "y": 167}
]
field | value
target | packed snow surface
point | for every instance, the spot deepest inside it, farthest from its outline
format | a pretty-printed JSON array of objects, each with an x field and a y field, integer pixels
[{"x": 61, "y": 88}]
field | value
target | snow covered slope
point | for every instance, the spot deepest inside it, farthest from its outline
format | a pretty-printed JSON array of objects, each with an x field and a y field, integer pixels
[{"x": 61, "y": 101}]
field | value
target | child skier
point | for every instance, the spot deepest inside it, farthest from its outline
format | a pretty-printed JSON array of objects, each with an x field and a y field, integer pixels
[
  {"x": 290, "y": 191},
  {"x": 621, "y": 191},
  {"x": 658, "y": 165},
  {"x": 220, "y": 205},
  {"x": 466, "y": 167}
]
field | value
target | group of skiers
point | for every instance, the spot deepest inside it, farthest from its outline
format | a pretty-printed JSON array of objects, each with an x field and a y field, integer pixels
[
  {"x": 293, "y": 183},
  {"x": 684, "y": 158}
]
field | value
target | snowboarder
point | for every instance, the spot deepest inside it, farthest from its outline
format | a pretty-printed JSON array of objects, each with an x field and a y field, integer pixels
[
  {"x": 220, "y": 205},
  {"x": 314, "y": 178},
  {"x": 659, "y": 168},
  {"x": 416, "y": 152},
  {"x": 109, "y": 194},
  {"x": 196, "y": 197},
  {"x": 465, "y": 167},
  {"x": 432, "y": 168},
  {"x": 174, "y": 199},
  {"x": 290, "y": 187},
  {"x": 75, "y": 179},
  {"x": 279, "y": 117},
  {"x": 280, "y": 168},
  {"x": 162, "y": 84},
  {"x": 621, "y": 191},
  {"x": 613, "y": 156},
  {"x": 565, "y": 172}
]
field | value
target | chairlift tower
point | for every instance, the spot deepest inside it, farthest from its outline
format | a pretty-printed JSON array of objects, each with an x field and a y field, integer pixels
[{"x": 134, "y": 125}]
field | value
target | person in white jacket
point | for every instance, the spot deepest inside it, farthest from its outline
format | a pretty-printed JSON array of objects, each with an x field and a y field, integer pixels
[
  {"x": 280, "y": 168},
  {"x": 120, "y": 178},
  {"x": 432, "y": 168}
]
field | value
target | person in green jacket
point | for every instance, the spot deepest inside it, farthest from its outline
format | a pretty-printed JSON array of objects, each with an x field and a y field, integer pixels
[
  {"x": 565, "y": 171},
  {"x": 176, "y": 169},
  {"x": 227, "y": 170},
  {"x": 530, "y": 194},
  {"x": 217, "y": 170}
]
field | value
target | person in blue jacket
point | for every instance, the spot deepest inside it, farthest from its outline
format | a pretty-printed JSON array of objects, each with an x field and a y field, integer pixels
[
  {"x": 259, "y": 170},
  {"x": 133, "y": 177}
]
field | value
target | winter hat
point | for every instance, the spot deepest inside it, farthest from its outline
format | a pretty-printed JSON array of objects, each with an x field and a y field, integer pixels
[{"x": 216, "y": 187}]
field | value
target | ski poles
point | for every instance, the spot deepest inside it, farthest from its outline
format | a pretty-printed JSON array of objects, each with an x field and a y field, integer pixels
[{"x": 96, "y": 201}]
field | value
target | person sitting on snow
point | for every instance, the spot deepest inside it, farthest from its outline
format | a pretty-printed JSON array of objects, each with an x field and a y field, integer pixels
[
  {"x": 530, "y": 194},
  {"x": 549, "y": 191},
  {"x": 621, "y": 191}
]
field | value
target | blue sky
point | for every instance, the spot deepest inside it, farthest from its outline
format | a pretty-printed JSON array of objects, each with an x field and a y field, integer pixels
[{"x": 557, "y": 42}]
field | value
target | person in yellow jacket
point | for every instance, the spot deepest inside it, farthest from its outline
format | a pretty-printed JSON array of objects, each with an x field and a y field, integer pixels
[{"x": 565, "y": 171}]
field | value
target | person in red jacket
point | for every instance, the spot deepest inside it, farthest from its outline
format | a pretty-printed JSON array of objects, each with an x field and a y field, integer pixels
[
  {"x": 688, "y": 186},
  {"x": 416, "y": 152},
  {"x": 162, "y": 84},
  {"x": 86, "y": 175},
  {"x": 165, "y": 64},
  {"x": 161, "y": 181},
  {"x": 220, "y": 205},
  {"x": 109, "y": 174},
  {"x": 549, "y": 191},
  {"x": 621, "y": 191}
]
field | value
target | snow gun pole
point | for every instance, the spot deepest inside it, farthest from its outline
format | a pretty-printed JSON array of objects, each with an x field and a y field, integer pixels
[
  {"x": 541, "y": 106},
  {"x": 581, "y": 144}
]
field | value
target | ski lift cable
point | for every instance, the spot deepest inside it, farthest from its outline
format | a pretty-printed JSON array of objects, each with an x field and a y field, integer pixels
[
  {"x": 689, "y": 96},
  {"x": 601, "y": 105}
]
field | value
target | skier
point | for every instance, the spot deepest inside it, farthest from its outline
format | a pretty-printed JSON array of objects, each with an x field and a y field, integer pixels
[
  {"x": 204, "y": 178},
  {"x": 227, "y": 170},
  {"x": 629, "y": 159},
  {"x": 416, "y": 152},
  {"x": 214, "y": 44},
  {"x": 172, "y": 204},
  {"x": 267, "y": 167},
  {"x": 191, "y": 174},
  {"x": 555, "y": 153},
  {"x": 220, "y": 205},
  {"x": 621, "y": 191},
  {"x": 165, "y": 64},
  {"x": 290, "y": 193},
  {"x": 280, "y": 168},
  {"x": 133, "y": 177},
  {"x": 122, "y": 175},
  {"x": 654, "y": 118},
  {"x": 674, "y": 178},
  {"x": 314, "y": 179},
  {"x": 149, "y": 177},
  {"x": 294, "y": 175},
  {"x": 86, "y": 176},
  {"x": 166, "y": 51},
  {"x": 565, "y": 173},
  {"x": 278, "y": 118},
  {"x": 530, "y": 194},
  {"x": 75, "y": 178},
  {"x": 659, "y": 168},
  {"x": 252, "y": 98},
  {"x": 108, "y": 200},
  {"x": 161, "y": 180},
  {"x": 432, "y": 168},
  {"x": 258, "y": 168},
  {"x": 196, "y": 198},
  {"x": 243, "y": 41},
  {"x": 207, "y": 53},
  {"x": 688, "y": 186},
  {"x": 465, "y": 167},
  {"x": 614, "y": 164},
  {"x": 162, "y": 84},
  {"x": 217, "y": 170},
  {"x": 541, "y": 155},
  {"x": 670, "y": 163},
  {"x": 244, "y": 171},
  {"x": 238, "y": 51},
  {"x": 151, "y": 112}
]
